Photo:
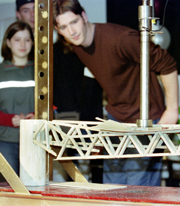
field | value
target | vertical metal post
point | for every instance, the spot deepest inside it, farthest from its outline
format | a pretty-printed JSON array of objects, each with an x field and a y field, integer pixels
[
  {"x": 44, "y": 77},
  {"x": 44, "y": 67},
  {"x": 145, "y": 12},
  {"x": 43, "y": 60}
]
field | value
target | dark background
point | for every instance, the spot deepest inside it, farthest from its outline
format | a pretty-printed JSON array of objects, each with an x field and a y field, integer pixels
[{"x": 125, "y": 12}]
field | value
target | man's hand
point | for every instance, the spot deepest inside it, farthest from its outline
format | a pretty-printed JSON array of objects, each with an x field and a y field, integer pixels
[{"x": 169, "y": 117}]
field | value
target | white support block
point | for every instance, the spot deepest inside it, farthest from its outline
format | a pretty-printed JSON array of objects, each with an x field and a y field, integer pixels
[{"x": 32, "y": 157}]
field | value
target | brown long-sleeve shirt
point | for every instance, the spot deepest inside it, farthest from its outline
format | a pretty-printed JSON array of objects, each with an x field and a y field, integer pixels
[{"x": 114, "y": 60}]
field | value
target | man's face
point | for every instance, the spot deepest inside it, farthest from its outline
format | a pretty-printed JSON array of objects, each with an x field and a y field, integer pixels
[
  {"x": 72, "y": 27},
  {"x": 26, "y": 14}
]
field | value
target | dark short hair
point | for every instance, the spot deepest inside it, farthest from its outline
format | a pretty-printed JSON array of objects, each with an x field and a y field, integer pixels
[
  {"x": 20, "y": 3},
  {"x": 11, "y": 30},
  {"x": 62, "y": 6}
]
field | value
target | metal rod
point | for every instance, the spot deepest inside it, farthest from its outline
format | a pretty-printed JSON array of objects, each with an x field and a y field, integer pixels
[{"x": 145, "y": 12}]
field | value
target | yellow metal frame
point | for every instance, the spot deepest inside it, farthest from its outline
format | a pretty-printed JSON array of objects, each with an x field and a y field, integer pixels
[{"x": 12, "y": 177}]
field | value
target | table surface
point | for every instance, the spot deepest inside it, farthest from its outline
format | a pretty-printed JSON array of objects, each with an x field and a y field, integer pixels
[{"x": 146, "y": 194}]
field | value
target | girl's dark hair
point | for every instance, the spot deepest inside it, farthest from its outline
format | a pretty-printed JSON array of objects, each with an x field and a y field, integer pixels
[
  {"x": 11, "y": 30},
  {"x": 62, "y": 6}
]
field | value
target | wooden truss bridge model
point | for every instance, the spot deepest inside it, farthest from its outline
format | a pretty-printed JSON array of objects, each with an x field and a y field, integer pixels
[{"x": 88, "y": 139}]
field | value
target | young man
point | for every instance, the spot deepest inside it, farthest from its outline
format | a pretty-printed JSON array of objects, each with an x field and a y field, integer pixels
[
  {"x": 112, "y": 53},
  {"x": 25, "y": 11}
]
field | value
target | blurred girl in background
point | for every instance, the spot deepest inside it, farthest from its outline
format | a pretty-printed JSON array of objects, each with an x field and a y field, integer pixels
[{"x": 16, "y": 88}]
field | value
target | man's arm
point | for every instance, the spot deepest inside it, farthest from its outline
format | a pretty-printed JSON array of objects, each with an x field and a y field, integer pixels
[{"x": 170, "y": 84}]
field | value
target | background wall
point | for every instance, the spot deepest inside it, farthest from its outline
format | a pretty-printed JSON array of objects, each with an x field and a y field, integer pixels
[
  {"x": 95, "y": 9},
  {"x": 8, "y": 15}
]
